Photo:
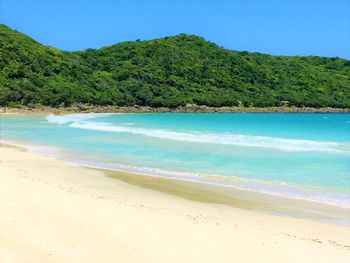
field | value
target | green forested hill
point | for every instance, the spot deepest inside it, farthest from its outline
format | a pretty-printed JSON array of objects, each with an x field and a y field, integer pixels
[{"x": 169, "y": 72}]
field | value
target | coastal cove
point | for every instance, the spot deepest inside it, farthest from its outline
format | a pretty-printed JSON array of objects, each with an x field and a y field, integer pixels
[{"x": 174, "y": 131}]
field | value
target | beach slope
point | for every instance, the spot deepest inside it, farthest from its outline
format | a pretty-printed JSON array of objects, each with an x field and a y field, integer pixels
[{"x": 51, "y": 211}]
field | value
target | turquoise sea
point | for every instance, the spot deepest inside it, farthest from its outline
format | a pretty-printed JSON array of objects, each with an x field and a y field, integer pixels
[{"x": 304, "y": 156}]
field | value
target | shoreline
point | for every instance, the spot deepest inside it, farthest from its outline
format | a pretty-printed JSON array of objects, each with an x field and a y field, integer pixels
[
  {"x": 225, "y": 183},
  {"x": 53, "y": 211},
  {"x": 239, "y": 198},
  {"x": 206, "y": 192},
  {"x": 192, "y": 108}
]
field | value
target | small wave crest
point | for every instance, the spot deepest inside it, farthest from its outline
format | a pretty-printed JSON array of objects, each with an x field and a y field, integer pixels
[
  {"x": 70, "y": 118},
  {"x": 82, "y": 121}
]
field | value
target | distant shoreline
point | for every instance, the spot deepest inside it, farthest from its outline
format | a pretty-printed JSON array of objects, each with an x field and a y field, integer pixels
[{"x": 182, "y": 109}]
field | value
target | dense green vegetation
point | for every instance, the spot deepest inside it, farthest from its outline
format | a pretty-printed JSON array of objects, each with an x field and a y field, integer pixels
[{"x": 169, "y": 72}]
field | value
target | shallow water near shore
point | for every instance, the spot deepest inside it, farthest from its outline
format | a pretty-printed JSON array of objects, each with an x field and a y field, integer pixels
[{"x": 302, "y": 156}]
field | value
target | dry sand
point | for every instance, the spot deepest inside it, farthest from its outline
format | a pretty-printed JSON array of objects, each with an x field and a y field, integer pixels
[{"x": 51, "y": 211}]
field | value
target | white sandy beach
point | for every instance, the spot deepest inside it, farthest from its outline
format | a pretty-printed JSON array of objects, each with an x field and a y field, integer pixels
[{"x": 51, "y": 211}]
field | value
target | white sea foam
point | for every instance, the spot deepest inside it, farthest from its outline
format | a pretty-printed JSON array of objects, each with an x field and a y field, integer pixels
[
  {"x": 70, "y": 118},
  {"x": 82, "y": 121}
]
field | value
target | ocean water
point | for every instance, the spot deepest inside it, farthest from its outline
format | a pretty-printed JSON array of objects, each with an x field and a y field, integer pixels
[{"x": 304, "y": 156}]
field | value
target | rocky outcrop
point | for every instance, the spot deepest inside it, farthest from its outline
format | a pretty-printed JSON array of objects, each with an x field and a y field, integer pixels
[{"x": 81, "y": 108}]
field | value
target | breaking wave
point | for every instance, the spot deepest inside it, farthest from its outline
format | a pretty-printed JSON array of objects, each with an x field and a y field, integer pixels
[
  {"x": 70, "y": 118},
  {"x": 83, "y": 121}
]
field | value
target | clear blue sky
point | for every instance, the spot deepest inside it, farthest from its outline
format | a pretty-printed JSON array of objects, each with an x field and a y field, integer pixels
[{"x": 299, "y": 27}]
